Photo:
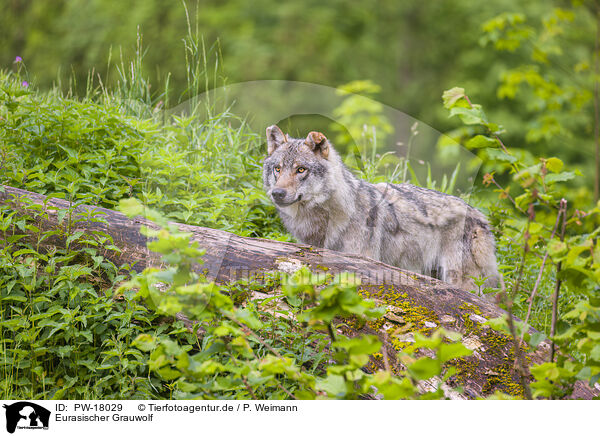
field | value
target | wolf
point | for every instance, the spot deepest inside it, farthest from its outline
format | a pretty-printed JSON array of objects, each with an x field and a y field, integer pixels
[{"x": 322, "y": 203}]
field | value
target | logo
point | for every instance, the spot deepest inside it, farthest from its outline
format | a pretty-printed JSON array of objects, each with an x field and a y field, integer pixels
[{"x": 26, "y": 415}]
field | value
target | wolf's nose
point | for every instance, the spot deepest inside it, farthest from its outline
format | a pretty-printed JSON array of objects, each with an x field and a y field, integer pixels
[{"x": 278, "y": 194}]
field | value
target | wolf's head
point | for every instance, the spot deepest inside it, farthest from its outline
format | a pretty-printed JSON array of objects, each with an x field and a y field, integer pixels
[{"x": 298, "y": 170}]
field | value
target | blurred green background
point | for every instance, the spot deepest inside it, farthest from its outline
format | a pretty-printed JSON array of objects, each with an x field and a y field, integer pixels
[{"x": 518, "y": 59}]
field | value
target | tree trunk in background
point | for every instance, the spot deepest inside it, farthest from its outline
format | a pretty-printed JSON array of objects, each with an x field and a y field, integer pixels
[{"x": 416, "y": 303}]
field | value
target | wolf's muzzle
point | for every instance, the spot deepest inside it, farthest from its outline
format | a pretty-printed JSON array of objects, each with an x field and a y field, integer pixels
[{"x": 279, "y": 195}]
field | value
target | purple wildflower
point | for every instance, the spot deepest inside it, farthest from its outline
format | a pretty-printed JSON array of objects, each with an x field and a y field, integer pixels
[
  {"x": 25, "y": 84},
  {"x": 18, "y": 59}
]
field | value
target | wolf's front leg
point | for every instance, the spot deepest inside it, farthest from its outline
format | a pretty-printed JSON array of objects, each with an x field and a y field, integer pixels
[{"x": 452, "y": 268}]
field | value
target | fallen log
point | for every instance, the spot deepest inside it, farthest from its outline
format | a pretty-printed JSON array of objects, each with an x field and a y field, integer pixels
[{"x": 416, "y": 303}]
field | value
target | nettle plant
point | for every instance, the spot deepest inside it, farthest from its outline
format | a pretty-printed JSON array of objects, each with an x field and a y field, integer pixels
[
  {"x": 62, "y": 334},
  {"x": 277, "y": 338},
  {"x": 549, "y": 252},
  {"x": 197, "y": 168}
]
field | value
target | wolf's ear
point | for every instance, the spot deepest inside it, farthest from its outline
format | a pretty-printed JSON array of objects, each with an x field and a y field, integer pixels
[
  {"x": 275, "y": 138},
  {"x": 317, "y": 142}
]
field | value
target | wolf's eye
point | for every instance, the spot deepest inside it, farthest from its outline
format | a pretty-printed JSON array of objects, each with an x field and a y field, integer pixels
[
  {"x": 277, "y": 169},
  {"x": 301, "y": 169}
]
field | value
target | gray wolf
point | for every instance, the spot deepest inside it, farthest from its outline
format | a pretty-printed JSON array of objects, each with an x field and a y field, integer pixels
[{"x": 322, "y": 203}]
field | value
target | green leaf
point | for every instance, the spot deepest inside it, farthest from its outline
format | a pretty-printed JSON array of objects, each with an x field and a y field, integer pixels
[
  {"x": 144, "y": 342},
  {"x": 499, "y": 324},
  {"x": 575, "y": 251},
  {"x": 469, "y": 116},
  {"x": 131, "y": 207},
  {"x": 547, "y": 370},
  {"x": 74, "y": 237},
  {"x": 585, "y": 373},
  {"x": 24, "y": 251},
  {"x": 556, "y": 247},
  {"x": 451, "y": 351},
  {"x": 535, "y": 228},
  {"x": 425, "y": 368},
  {"x": 87, "y": 334},
  {"x": 249, "y": 318},
  {"x": 481, "y": 141},
  {"x": 392, "y": 388},
  {"x": 451, "y": 96},
  {"x": 560, "y": 177},
  {"x": 367, "y": 344},
  {"x": 168, "y": 373},
  {"x": 333, "y": 384},
  {"x": 61, "y": 215},
  {"x": 595, "y": 353},
  {"x": 536, "y": 339},
  {"x": 210, "y": 367},
  {"x": 500, "y": 155},
  {"x": 554, "y": 164}
]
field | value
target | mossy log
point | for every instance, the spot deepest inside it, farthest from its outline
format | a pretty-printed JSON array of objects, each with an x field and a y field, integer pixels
[{"x": 416, "y": 303}]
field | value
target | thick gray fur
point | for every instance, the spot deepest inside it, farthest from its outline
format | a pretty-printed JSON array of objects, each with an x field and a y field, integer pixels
[{"x": 413, "y": 228}]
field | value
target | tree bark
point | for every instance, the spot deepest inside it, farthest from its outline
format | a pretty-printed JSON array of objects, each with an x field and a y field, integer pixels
[{"x": 416, "y": 303}]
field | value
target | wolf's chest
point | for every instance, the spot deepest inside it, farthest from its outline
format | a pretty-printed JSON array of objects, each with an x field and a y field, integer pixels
[{"x": 308, "y": 226}]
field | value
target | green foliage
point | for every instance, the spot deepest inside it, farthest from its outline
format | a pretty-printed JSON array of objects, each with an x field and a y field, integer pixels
[
  {"x": 444, "y": 346},
  {"x": 70, "y": 327},
  {"x": 66, "y": 333},
  {"x": 62, "y": 332},
  {"x": 91, "y": 151},
  {"x": 581, "y": 336},
  {"x": 361, "y": 116},
  {"x": 238, "y": 355},
  {"x": 407, "y": 48},
  {"x": 535, "y": 55},
  {"x": 553, "y": 81},
  {"x": 55, "y": 145},
  {"x": 362, "y": 126},
  {"x": 538, "y": 219}
]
